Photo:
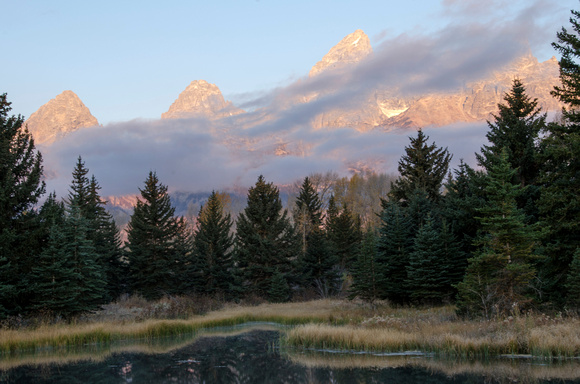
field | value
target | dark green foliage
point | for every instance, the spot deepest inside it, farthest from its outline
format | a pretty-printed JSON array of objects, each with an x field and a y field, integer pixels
[
  {"x": 429, "y": 263},
  {"x": 394, "y": 247},
  {"x": 573, "y": 282},
  {"x": 158, "y": 243},
  {"x": 317, "y": 266},
  {"x": 500, "y": 273},
  {"x": 423, "y": 167},
  {"x": 344, "y": 234},
  {"x": 212, "y": 258},
  {"x": 279, "y": 291},
  {"x": 21, "y": 186},
  {"x": 559, "y": 203},
  {"x": 516, "y": 130},
  {"x": 88, "y": 284},
  {"x": 103, "y": 232},
  {"x": 366, "y": 274},
  {"x": 465, "y": 195},
  {"x": 569, "y": 46},
  {"x": 265, "y": 238}
]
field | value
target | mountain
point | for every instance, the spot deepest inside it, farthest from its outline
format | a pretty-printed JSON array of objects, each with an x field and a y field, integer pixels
[
  {"x": 62, "y": 115},
  {"x": 201, "y": 99},
  {"x": 352, "y": 49},
  {"x": 384, "y": 108}
]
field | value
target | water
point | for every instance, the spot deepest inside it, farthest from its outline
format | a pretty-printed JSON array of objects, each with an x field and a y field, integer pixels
[{"x": 253, "y": 355}]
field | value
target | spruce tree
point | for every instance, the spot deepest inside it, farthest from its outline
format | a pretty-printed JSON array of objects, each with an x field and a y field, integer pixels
[
  {"x": 573, "y": 282},
  {"x": 465, "y": 195},
  {"x": 157, "y": 243},
  {"x": 279, "y": 291},
  {"x": 559, "y": 203},
  {"x": 265, "y": 238},
  {"x": 394, "y": 247},
  {"x": 317, "y": 266},
  {"x": 53, "y": 277},
  {"x": 21, "y": 186},
  {"x": 427, "y": 271},
  {"x": 515, "y": 128},
  {"x": 500, "y": 273},
  {"x": 308, "y": 212},
  {"x": 344, "y": 234},
  {"x": 89, "y": 284},
  {"x": 212, "y": 258},
  {"x": 366, "y": 273},
  {"x": 422, "y": 167}
]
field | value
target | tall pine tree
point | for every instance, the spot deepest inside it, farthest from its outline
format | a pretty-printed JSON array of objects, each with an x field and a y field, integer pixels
[
  {"x": 265, "y": 239},
  {"x": 394, "y": 248},
  {"x": 422, "y": 167},
  {"x": 559, "y": 204},
  {"x": 366, "y": 270},
  {"x": 21, "y": 186},
  {"x": 212, "y": 268},
  {"x": 500, "y": 273},
  {"x": 158, "y": 243}
]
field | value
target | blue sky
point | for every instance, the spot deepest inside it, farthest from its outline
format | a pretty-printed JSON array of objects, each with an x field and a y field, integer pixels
[{"x": 131, "y": 59}]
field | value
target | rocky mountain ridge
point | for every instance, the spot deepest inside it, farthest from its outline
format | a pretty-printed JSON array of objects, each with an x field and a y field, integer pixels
[
  {"x": 62, "y": 115},
  {"x": 379, "y": 108}
]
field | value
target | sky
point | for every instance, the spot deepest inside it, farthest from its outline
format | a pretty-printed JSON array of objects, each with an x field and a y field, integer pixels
[{"x": 128, "y": 61}]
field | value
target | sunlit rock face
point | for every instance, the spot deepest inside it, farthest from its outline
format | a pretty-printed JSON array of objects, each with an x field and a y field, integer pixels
[
  {"x": 62, "y": 115},
  {"x": 386, "y": 108},
  {"x": 477, "y": 101},
  {"x": 201, "y": 99},
  {"x": 350, "y": 50}
]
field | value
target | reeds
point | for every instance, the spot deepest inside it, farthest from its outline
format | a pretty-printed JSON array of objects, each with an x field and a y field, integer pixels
[
  {"x": 534, "y": 335},
  {"x": 67, "y": 335}
]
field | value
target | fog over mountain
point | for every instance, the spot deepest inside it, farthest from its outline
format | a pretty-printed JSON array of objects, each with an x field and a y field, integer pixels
[{"x": 343, "y": 118}]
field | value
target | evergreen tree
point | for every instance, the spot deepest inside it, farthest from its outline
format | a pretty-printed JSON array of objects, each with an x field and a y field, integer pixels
[
  {"x": 213, "y": 264},
  {"x": 279, "y": 291},
  {"x": 344, "y": 234},
  {"x": 423, "y": 167},
  {"x": 499, "y": 275},
  {"x": 515, "y": 129},
  {"x": 573, "y": 282},
  {"x": 265, "y": 238},
  {"x": 308, "y": 212},
  {"x": 107, "y": 241},
  {"x": 53, "y": 277},
  {"x": 366, "y": 274},
  {"x": 157, "y": 243},
  {"x": 21, "y": 186},
  {"x": 427, "y": 271},
  {"x": 464, "y": 197},
  {"x": 559, "y": 203},
  {"x": 103, "y": 232},
  {"x": 317, "y": 266},
  {"x": 394, "y": 247},
  {"x": 89, "y": 285}
]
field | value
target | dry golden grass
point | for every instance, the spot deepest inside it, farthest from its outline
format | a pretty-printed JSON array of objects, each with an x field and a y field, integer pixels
[
  {"x": 439, "y": 331},
  {"x": 333, "y": 324},
  {"x": 62, "y": 335}
]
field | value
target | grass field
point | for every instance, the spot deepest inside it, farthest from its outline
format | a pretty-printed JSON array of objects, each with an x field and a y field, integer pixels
[{"x": 323, "y": 324}]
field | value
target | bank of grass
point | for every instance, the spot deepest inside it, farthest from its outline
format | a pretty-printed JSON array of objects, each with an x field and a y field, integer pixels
[
  {"x": 439, "y": 331},
  {"x": 321, "y": 324},
  {"x": 112, "y": 328}
]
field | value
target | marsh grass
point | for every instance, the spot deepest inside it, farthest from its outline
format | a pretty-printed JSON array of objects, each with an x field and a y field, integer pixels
[
  {"x": 55, "y": 336},
  {"x": 439, "y": 331},
  {"x": 320, "y": 324}
]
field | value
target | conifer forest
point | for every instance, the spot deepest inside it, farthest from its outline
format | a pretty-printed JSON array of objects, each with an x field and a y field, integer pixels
[{"x": 494, "y": 240}]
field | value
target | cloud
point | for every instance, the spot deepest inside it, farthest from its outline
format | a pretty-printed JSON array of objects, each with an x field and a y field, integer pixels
[{"x": 201, "y": 155}]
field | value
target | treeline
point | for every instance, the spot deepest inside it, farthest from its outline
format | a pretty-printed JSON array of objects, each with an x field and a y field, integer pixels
[{"x": 495, "y": 241}]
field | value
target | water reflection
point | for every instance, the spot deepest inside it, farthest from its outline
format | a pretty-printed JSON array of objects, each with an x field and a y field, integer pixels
[{"x": 253, "y": 356}]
